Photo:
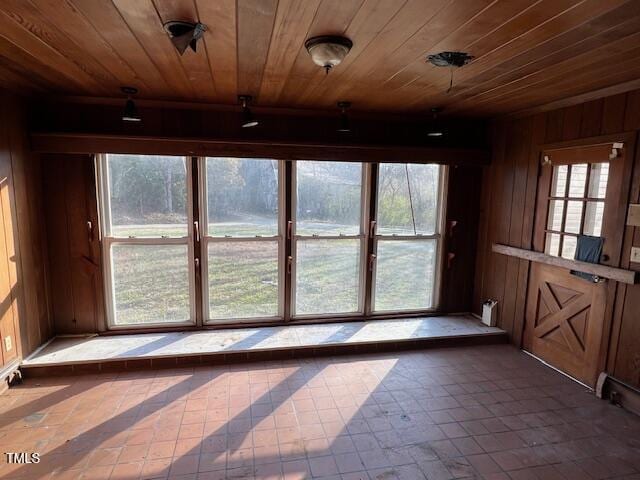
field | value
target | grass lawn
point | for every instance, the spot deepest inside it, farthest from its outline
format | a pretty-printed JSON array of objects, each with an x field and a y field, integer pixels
[{"x": 151, "y": 282}]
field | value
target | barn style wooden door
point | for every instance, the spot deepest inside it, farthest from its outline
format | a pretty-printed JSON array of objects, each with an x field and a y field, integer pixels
[
  {"x": 582, "y": 190},
  {"x": 565, "y": 318}
]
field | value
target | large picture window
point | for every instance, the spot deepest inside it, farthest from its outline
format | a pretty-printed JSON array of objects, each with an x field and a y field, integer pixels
[{"x": 221, "y": 240}]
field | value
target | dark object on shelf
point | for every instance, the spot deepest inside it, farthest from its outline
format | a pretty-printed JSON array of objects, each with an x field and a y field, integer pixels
[{"x": 589, "y": 249}]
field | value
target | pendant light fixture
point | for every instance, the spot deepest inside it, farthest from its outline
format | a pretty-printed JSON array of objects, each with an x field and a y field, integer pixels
[
  {"x": 435, "y": 130},
  {"x": 130, "y": 113},
  {"x": 327, "y": 51},
  {"x": 345, "y": 125},
  {"x": 452, "y": 60},
  {"x": 248, "y": 119},
  {"x": 185, "y": 34}
]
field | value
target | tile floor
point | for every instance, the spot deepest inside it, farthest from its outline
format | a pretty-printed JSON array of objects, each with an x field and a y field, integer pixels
[
  {"x": 485, "y": 412},
  {"x": 74, "y": 350}
]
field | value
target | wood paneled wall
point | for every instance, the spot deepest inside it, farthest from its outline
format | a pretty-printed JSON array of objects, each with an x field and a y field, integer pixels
[
  {"x": 24, "y": 308},
  {"x": 507, "y": 210},
  {"x": 463, "y": 204},
  {"x": 75, "y": 271},
  {"x": 279, "y": 126}
]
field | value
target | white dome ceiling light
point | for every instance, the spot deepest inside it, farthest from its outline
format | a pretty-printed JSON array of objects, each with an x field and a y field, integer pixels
[{"x": 327, "y": 51}]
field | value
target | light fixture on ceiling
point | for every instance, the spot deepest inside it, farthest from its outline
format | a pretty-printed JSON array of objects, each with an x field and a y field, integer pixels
[
  {"x": 451, "y": 60},
  {"x": 185, "y": 34},
  {"x": 435, "y": 130},
  {"x": 130, "y": 113},
  {"x": 248, "y": 119},
  {"x": 328, "y": 51},
  {"x": 345, "y": 125}
]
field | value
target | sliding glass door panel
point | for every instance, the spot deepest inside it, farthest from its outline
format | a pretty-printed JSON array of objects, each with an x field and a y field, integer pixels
[
  {"x": 150, "y": 284},
  {"x": 243, "y": 279},
  {"x": 242, "y": 242},
  {"x": 327, "y": 276},
  {"x": 405, "y": 275}
]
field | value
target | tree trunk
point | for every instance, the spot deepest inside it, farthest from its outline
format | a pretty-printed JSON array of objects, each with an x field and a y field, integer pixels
[{"x": 168, "y": 197}]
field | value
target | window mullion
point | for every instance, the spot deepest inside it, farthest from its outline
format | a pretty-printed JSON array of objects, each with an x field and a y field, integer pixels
[
  {"x": 196, "y": 234},
  {"x": 287, "y": 257},
  {"x": 370, "y": 243},
  {"x": 564, "y": 211},
  {"x": 586, "y": 194}
]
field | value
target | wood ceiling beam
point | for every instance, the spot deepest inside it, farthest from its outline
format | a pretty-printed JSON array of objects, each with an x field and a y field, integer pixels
[
  {"x": 91, "y": 128},
  {"x": 92, "y": 143}
]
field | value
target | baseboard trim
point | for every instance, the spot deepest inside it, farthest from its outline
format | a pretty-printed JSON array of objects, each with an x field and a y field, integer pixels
[
  {"x": 41, "y": 347},
  {"x": 619, "y": 393}
]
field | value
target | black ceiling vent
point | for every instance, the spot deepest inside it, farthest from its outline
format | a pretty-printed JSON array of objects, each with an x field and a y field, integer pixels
[
  {"x": 449, "y": 59},
  {"x": 185, "y": 34}
]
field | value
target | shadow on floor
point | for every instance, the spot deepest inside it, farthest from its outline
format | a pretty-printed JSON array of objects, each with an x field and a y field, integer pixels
[{"x": 441, "y": 413}]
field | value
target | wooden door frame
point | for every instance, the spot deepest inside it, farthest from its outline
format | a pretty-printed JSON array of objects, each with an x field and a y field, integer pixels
[
  {"x": 615, "y": 227},
  {"x": 621, "y": 291}
]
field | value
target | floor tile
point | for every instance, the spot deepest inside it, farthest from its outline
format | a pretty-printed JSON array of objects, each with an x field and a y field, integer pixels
[{"x": 413, "y": 416}]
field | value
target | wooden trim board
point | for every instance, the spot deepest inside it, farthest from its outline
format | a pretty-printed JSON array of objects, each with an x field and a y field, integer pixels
[
  {"x": 619, "y": 393},
  {"x": 617, "y": 274},
  {"x": 633, "y": 216},
  {"x": 284, "y": 150}
]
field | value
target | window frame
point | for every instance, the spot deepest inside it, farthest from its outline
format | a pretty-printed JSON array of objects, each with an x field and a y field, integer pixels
[
  {"x": 584, "y": 200},
  {"x": 295, "y": 238},
  {"x": 205, "y": 239},
  {"x": 108, "y": 241},
  {"x": 198, "y": 240},
  {"x": 437, "y": 236}
]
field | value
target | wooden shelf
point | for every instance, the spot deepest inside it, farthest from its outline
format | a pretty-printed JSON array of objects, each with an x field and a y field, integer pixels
[{"x": 604, "y": 271}]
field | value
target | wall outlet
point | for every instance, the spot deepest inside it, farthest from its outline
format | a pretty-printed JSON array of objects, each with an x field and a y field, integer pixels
[
  {"x": 635, "y": 254},
  {"x": 8, "y": 345}
]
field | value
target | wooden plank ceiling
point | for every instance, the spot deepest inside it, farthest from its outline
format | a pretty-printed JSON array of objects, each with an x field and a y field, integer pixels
[{"x": 527, "y": 53}]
